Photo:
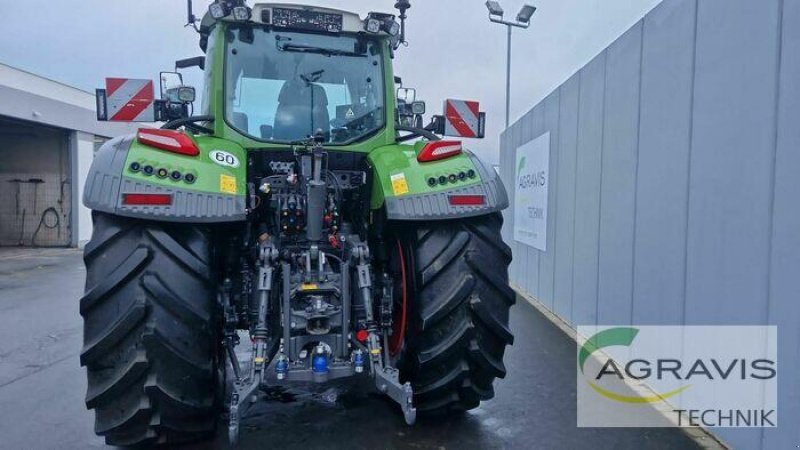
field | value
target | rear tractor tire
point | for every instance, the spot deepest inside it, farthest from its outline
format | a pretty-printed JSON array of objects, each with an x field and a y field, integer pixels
[
  {"x": 458, "y": 302},
  {"x": 150, "y": 332}
]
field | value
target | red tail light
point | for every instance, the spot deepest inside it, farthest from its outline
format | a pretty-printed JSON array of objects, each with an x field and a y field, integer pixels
[
  {"x": 467, "y": 200},
  {"x": 147, "y": 199},
  {"x": 169, "y": 140},
  {"x": 437, "y": 150}
]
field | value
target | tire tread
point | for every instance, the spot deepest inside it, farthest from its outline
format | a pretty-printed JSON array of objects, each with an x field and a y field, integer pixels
[
  {"x": 458, "y": 314},
  {"x": 149, "y": 325}
]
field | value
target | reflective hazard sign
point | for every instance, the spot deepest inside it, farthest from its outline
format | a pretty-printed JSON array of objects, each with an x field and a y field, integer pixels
[
  {"x": 129, "y": 100},
  {"x": 462, "y": 118}
]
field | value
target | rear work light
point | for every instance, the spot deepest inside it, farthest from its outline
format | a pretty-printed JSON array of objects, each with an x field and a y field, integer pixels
[
  {"x": 436, "y": 150},
  {"x": 169, "y": 140},
  {"x": 467, "y": 200},
  {"x": 147, "y": 199}
]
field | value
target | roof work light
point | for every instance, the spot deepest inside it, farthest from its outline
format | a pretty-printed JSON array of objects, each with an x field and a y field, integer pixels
[
  {"x": 242, "y": 13},
  {"x": 373, "y": 25},
  {"x": 377, "y": 22},
  {"x": 219, "y": 10},
  {"x": 224, "y": 8}
]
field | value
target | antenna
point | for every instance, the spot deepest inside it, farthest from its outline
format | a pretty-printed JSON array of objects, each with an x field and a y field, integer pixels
[
  {"x": 403, "y": 6},
  {"x": 191, "y": 19}
]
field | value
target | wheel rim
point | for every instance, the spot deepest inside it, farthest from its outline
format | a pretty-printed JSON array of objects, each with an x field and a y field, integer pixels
[{"x": 400, "y": 314}]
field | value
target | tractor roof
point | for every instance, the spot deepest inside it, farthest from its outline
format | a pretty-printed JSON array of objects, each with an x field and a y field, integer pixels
[
  {"x": 304, "y": 17},
  {"x": 351, "y": 22}
]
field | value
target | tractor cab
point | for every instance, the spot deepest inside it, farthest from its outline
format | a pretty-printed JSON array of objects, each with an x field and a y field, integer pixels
[{"x": 290, "y": 72}]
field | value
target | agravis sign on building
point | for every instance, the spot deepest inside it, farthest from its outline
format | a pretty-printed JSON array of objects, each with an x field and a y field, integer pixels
[{"x": 532, "y": 177}]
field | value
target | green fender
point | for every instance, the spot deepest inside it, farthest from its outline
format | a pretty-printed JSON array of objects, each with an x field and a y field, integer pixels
[
  {"x": 413, "y": 190},
  {"x": 210, "y": 188}
]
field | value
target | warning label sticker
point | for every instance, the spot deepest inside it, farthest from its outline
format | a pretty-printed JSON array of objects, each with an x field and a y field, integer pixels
[
  {"x": 399, "y": 184},
  {"x": 227, "y": 184}
]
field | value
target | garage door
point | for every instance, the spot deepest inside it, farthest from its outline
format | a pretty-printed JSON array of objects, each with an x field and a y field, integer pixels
[{"x": 35, "y": 189}]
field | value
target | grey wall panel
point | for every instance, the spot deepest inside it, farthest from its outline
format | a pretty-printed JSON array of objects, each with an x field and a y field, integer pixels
[
  {"x": 508, "y": 151},
  {"x": 618, "y": 183},
  {"x": 522, "y": 262},
  {"x": 784, "y": 286},
  {"x": 674, "y": 182},
  {"x": 663, "y": 176},
  {"x": 528, "y": 274},
  {"x": 533, "y": 124},
  {"x": 587, "y": 197},
  {"x": 733, "y": 146},
  {"x": 505, "y": 175},
  {"x": 567, "y": 147},
  {"x": 731, "y": 168},
  {"x": 550, "y": 123},
  {"x": 520, "y": 256}
]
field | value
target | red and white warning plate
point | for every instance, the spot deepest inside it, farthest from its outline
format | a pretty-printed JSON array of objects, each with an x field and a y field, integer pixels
[
  {"x": 130, "y": 100},
  {"x": 462, "y": 118}
]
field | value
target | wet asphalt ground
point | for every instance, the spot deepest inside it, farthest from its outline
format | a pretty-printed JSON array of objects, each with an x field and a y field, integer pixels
[{"x": 42, "y": 386}]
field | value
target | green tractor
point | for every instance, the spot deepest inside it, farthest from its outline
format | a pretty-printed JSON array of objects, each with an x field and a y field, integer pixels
[{"x": 305, "y": 209}]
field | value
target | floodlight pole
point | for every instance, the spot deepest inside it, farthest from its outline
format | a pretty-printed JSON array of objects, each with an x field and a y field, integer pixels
[{"x": 510, "y": 25}]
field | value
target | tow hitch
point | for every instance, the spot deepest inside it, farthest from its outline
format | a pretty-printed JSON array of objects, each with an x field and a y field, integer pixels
[{"x": 323, "y": 368}]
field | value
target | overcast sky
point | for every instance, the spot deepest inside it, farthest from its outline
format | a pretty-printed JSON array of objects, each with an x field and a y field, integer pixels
[{"x": 454, "y": 52}]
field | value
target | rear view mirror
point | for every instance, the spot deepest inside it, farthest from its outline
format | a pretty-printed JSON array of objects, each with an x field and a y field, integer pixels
[
  {"x": 406, "y": 95},
  {"x": 409, "y": 109},
  {"x": 170, "y": 81}
]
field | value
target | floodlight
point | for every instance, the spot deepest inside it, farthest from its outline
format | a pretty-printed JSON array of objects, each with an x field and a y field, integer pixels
[
  {"x": 525, "y": 14},
  {"x": 392, "y": 27},
  {"x": 242, "y": 13},
  {"x": 373, "y": 25},
  {"x": 218, "y": 10},
  {"x": 186, "y": 94},
  {"x": 494, "y": 8}
]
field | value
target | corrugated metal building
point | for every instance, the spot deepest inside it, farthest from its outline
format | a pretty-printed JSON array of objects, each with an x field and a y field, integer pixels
[
  {"x": 674, "y": 188},
  {"x": 48, "y": 135}
]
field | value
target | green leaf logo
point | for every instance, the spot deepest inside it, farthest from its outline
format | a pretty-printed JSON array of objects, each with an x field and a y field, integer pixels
[
  {"x": 521, "y": 165},
  {"x": 607, "y": 338},
  {"x": 618, "y": 336}
]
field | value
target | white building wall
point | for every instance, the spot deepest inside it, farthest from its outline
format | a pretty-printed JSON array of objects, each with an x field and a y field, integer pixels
[
  {"x": 34, "y": 99},
  {"x": 28, "y": 82},
  {"x": 81, "y": 156}
]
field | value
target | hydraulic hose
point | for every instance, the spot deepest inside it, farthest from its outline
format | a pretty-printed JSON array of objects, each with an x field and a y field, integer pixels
[{"x": 416, "y": 132}]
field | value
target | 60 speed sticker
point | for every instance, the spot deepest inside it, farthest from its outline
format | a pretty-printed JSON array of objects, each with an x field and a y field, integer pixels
[{"x": 224, "y": 158}]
